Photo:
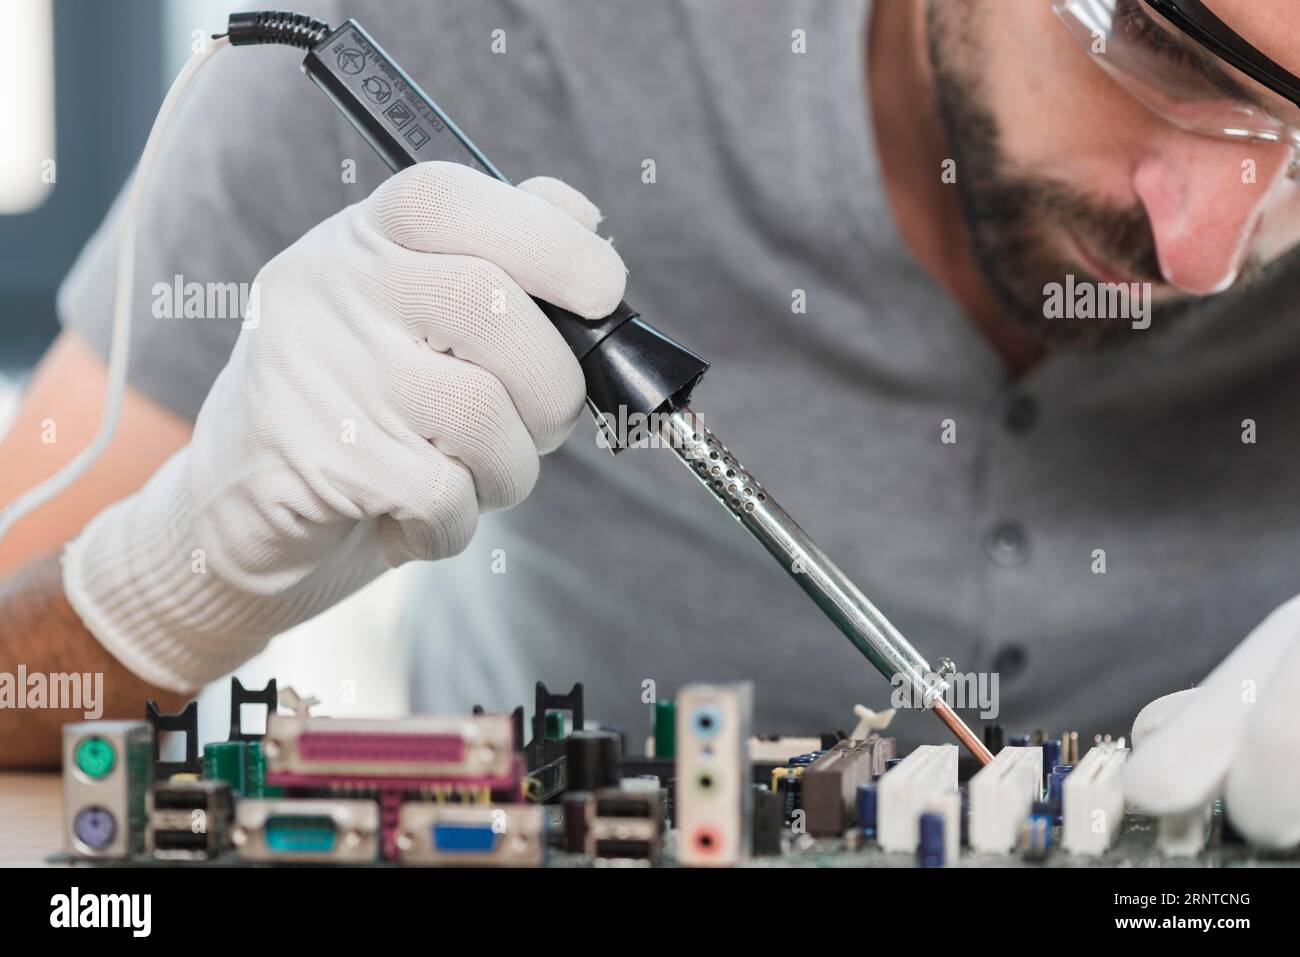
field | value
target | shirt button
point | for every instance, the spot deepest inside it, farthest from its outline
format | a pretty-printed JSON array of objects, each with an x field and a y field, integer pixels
[
  {"x": 1009, "y": 662},
  {"x": 1007, "y": 545},
  {"x": 1022, "y": 414}
]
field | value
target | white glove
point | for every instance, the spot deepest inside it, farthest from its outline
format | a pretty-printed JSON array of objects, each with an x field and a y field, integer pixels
[
  {"x": 1237, "y": 735},
  {"x": 396, "y": 380}
]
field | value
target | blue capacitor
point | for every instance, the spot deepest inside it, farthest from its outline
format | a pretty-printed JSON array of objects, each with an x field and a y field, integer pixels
[
  {"x": 1019, "y": 740},
  {"x": 867, "y": 810},
  {"x": 1051, "y": 757},
  {"x": 1038, "y": 831},
  {"x": 1055, "y": 791},
  {"x": 929, "y": 849},
  {"x": 1038, "y": 838},
  {"x": 803, "y": 760}
]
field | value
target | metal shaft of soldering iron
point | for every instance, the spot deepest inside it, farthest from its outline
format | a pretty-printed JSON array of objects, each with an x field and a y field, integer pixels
[{"x": 841, "y": 601}]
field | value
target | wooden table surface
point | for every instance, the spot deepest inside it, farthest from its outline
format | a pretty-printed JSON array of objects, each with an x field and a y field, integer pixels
[{"x": 31, "y": 808}]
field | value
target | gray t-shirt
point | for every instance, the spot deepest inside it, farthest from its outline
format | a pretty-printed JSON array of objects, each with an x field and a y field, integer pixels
[{"x": 1098, "y": 534}]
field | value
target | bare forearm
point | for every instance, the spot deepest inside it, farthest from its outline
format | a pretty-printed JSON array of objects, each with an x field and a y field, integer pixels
[{"x": 43, "y": 641}]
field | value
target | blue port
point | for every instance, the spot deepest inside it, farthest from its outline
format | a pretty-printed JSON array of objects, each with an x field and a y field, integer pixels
[
  {"x": 706, "y": 721},
  {"x": 464, "y": 838},
  {"x": 301, "y": 832}
]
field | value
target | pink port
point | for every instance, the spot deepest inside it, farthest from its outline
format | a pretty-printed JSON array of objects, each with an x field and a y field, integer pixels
[{"x": 362, "y": 746}]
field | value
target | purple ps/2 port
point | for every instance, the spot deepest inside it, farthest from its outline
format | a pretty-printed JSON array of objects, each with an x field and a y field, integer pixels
[{"x": 95, "y": 827}]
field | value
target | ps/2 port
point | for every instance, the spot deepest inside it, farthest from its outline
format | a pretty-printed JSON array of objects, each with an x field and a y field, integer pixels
[{"x": 95, "y": 757}]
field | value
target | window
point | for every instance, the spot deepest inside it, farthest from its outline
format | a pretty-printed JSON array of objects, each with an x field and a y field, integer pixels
[{"x": 27, "y": 170}]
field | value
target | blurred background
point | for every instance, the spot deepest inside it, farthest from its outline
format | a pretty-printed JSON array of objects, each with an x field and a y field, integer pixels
[{"x": 78, "y": 93}]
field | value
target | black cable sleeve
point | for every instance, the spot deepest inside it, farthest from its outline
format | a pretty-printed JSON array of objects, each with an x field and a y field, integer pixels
[{"x": 276, "y": 26}]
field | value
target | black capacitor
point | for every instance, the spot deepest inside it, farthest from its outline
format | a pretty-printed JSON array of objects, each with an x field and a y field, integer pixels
[
  {"x": 994, "y": 737},
  {"x": 769, "y": 821},
  {"x": 593, "y": 759},
  {"x": 575, "y": 804}
]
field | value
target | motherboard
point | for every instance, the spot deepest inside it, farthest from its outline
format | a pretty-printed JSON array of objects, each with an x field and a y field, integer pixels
[{"x": 700, "y": 790}]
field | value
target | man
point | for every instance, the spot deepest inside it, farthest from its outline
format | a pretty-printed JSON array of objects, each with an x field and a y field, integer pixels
[{"x": 865, "y": 215}]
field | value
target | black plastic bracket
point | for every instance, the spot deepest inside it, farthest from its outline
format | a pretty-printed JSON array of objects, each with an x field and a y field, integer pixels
[
  {"x": 186, "y": 722},
  {"x": 239, "y": 696}
]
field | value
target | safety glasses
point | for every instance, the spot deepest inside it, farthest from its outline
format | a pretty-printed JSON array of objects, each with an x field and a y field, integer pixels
[{"x": 1185, "y": 64}]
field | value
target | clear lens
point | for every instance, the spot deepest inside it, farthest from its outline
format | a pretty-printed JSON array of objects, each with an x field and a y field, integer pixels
[{"x": 1174, "y": 76}]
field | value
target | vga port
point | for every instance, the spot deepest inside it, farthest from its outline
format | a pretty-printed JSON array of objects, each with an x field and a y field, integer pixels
[{"x": 505, "y": 835}]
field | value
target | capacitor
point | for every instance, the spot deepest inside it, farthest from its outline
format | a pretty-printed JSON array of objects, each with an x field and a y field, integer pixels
[
  {"x": 225, "y": 761},
  {"x": 1037, "y": 832},
  {"x": 769, "y": 821},
  {"x": 593, "y": 760},
  {"x": 994, "y": 737},
  {"x": 665, "y": 728},
  {"x": 929, "y": 849},
  {"x": 1019, "y": 741},
  {"x": 867, "y": 803},
  {"x": 1051, "y": 756},
  {"x": 1056, "y": 790},
  {"x": 574, "y": 805}
]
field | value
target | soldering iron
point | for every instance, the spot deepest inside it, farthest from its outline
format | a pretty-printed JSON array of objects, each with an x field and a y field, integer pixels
[{"x": 629, "y": 366}]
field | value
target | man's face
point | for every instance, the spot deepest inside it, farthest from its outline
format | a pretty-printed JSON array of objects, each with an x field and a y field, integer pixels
[{"x": 1063, "y": 172}]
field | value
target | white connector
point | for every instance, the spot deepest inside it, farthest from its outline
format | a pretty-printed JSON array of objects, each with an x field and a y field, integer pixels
[
  {"x": 1001, "y": 795},
  {"x": 927, "y": 774},
  {"x": 1184, "y": 834},
  {"x": 1092, "y": 802}
]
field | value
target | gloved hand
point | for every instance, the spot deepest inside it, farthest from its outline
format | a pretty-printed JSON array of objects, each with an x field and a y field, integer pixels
[
  {"x": 1237, "y": 735},
  {"x": 396, "y": 381}
]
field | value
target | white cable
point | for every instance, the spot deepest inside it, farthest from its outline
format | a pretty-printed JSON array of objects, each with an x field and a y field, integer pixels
[{"x": 120, "y": 347}]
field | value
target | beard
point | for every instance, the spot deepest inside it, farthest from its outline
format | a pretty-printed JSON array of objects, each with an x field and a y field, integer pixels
[{"x": 1012, "y": 217}]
